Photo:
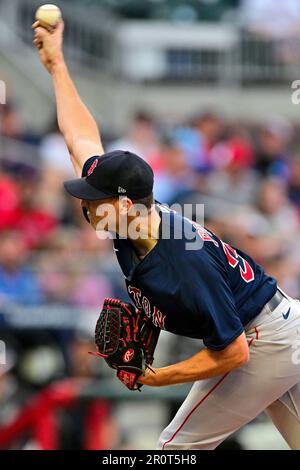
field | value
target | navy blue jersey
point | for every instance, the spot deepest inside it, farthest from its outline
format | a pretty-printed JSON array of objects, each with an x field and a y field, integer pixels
[{"x": 210, "y": 291}]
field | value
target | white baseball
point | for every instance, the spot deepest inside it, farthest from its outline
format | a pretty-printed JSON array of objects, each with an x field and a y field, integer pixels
[{"x": 48, "y": 15}]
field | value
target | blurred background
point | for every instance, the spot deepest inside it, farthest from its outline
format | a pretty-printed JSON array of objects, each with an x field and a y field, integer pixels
[{"x": 202, "y": 89}]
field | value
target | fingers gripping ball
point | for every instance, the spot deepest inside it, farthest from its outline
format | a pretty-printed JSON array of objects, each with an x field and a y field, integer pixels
[
  {"x": 48, "y": 16},
  {"x": 126, "y": 338}
]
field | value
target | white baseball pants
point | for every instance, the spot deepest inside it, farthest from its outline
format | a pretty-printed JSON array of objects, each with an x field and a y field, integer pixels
[{"x": 270, "y": 381}]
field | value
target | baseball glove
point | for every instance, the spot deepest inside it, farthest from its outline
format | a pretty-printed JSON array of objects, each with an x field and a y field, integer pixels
[{"x": 126, "y": 338}]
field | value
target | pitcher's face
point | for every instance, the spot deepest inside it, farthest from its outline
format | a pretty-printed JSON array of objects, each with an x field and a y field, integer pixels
[{"x": 103, "y": 214}]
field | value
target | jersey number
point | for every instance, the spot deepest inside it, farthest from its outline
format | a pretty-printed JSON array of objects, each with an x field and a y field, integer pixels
[{"x": 234, "y": 259}]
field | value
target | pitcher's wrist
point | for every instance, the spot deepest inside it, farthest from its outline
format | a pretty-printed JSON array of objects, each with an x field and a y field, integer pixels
[{"x": 57, "y": 63}]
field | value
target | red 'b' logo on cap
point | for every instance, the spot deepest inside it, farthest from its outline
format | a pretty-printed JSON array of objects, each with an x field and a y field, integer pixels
[
  {"x": 92, "y": 167},
  {"x": 128, "y": 356}
]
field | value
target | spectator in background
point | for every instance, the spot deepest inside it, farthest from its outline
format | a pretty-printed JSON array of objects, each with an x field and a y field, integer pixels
[
  {"x": 21, "y": 208},
  {"x": 209, "y": 127},
  {"x": 273, "y": 204},
  {"x": 9, "y": 202},
  {"x": 54, "y": 153},
  {"x": 272, "y": 157},
  {"x": 233, "y": 179},
  {"x": 286, "y": 269},
  {"x": 198, "y": 138},
  {"x": 17, "y": 283},
  {"x": 56, "y": 168},
  {"x": 141, "y": 138},
  {"x": 294, "y": 181},
  {"x": 10, "y": 123},
  {"x": 66, "y": 275},
  {"x": 175, "y": 176},
  {"x": 191, "y": 143},
  {"x": 34, "y": 221},
  {"x": 90, "y": 425}
]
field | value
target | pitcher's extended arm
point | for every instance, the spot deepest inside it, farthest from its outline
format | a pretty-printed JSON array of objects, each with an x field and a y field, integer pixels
[{"x": 76, "y": 123}]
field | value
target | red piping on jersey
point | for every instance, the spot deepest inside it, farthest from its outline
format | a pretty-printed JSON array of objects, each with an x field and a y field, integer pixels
[{"x": 206, "y": 396}]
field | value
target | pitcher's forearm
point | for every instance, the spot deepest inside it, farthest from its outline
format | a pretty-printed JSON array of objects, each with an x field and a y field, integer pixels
[
  {"x": 75, "y": 121},
  {"x": 203, "y": 365}
]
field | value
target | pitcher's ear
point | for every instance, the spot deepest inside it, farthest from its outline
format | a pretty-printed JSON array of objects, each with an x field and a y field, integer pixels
[{"x": 124, "y": 204}]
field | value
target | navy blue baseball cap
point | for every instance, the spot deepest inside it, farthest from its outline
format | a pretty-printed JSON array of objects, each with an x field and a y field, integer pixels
[{"x": 117, "y": 173}]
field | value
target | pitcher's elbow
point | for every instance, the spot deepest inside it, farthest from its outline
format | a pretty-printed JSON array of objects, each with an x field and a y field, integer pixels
[{"x": 243, "y": 357}]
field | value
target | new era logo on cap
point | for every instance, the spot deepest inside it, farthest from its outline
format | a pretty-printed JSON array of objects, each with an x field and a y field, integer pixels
[{"x": 121, "y": 190}]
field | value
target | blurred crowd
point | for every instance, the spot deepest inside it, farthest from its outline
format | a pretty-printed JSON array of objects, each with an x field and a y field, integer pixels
[{"x": 247, "y": 175}]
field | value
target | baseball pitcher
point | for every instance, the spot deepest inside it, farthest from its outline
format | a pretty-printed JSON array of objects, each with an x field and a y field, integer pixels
[{"x": 214, "y": 292}]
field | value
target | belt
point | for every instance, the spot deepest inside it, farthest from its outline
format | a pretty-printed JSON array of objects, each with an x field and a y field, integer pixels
[{"x": 275, "y": 300}]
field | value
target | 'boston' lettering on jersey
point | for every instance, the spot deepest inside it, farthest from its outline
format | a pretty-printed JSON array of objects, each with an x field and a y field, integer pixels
[
  {"x": 143, "y": 303},
  {"x": 210, "y": 292}
]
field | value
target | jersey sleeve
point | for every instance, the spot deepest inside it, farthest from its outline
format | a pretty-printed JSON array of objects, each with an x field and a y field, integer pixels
[{"x": 212, "y": 299}]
